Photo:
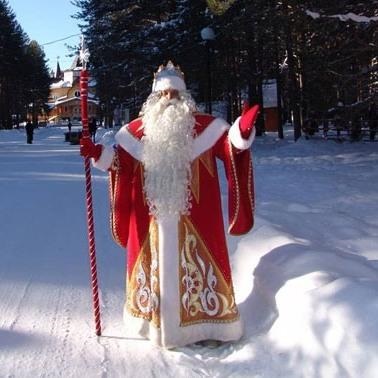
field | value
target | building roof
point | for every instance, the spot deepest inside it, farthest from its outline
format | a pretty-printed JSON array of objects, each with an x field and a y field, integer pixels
[
  {"x": 59, "y": 73},
  {"x": 66, "y": 100},
  {"x": 75, "y": 64},
  {"x": 61, "y": 84}
]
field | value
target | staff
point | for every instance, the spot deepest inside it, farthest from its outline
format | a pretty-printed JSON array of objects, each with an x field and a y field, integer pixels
[{"x": 84, "y": 56}]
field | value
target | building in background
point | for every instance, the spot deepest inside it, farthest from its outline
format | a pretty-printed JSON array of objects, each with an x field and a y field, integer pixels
[{"x": 64, "y": 99}]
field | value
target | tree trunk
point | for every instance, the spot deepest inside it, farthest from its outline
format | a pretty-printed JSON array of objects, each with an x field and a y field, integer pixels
[
  {"x": 293, "y": 84},
  {"x": 279, "y": 84}
]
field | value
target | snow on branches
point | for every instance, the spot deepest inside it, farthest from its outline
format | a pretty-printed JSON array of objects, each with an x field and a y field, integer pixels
[{"x": 343, "y": 17}]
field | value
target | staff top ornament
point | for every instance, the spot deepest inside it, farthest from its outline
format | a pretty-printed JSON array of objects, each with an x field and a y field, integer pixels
[{"x": 84, "y": 53}]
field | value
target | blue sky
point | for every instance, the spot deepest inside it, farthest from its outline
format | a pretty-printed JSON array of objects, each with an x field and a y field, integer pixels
[{"x": 47, "y": 21}]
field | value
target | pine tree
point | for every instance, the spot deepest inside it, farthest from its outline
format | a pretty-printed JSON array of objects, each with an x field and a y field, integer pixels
[
  {"x": 341, "y": 52},
  {"x": 128, "y": 40},
  {"x": 12, "y": 40},
  {"x": 314, "y": 60},
  {"x": 24, "y": 77},
  {"x": 37, "y": 80}
]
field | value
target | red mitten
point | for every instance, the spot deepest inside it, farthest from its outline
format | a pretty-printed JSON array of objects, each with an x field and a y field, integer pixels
[
  {"x": 248, "y": 119},
  {"x": 89, "y": 149}
]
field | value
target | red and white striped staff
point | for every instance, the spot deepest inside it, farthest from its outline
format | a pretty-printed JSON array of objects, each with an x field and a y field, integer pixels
[{"x": 84, "y": 56}]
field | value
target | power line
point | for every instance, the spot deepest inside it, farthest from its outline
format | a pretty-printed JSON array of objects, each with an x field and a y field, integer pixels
[{"x": 59, "y": 40}]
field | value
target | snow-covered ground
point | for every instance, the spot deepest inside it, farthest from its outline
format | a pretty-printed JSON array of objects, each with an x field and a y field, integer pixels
[{"x": 306, "y": 276}]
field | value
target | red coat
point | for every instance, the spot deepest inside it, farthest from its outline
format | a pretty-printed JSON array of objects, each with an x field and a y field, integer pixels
[{"x": 197, "y": 249}]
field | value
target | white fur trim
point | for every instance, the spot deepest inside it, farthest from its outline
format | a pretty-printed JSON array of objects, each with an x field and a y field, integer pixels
[
  {"x": 202, "y": 143},
  {"x": 182, "y": 336},
  {"x": 209, "y": 136},
  {"x": 168, "y": 82},
  {"x": 105, "y": 160},
  {"x": 237, "y": 140},
  {"x": 168, "y": 274},
  {"x": 170, "y": 333},
  {"x": 129, "y": 143}
]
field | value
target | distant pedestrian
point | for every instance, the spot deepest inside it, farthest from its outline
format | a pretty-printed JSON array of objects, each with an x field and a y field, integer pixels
[
  {"x": 92, "y": 129},
  {"x": 325, "y": 129},
  {"x": 29, "y": 132},
  {"x": 69, "y": 126}
]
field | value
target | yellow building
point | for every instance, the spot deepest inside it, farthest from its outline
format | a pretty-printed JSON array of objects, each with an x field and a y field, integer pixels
[{"x": 64, "y": 99}]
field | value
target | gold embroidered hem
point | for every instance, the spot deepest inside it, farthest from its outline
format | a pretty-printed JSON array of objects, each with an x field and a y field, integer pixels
[
  {"x": 143, "y": 293},
  {"x": 204, "y": 293}
]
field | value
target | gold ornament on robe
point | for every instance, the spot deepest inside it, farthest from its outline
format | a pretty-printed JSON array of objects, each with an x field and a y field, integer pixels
[{"x": 207, "y": 160}]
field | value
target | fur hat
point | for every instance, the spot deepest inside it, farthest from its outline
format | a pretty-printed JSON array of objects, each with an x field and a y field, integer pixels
[{"x": 168, "y": 77}]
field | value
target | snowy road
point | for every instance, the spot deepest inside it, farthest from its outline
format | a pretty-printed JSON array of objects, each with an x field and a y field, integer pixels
[{"x": 306, "y": 277}]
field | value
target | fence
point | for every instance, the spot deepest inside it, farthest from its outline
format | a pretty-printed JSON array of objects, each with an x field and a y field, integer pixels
[{"x": 341, "y": 130}]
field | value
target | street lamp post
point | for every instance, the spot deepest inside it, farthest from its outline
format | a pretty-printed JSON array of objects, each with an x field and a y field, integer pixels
[{"x": 208, "y": 35}]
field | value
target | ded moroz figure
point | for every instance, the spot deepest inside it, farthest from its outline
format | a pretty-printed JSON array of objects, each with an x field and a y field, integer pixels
[{"x": 166, "y": 211}]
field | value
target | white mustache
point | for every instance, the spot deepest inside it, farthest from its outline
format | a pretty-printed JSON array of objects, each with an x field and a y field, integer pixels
[{"x": 165, "y": 102}]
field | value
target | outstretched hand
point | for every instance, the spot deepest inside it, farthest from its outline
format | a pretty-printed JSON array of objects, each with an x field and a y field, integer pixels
[
  {"x": 89, "y": 149},
  {"x": 248, "y": 119}
]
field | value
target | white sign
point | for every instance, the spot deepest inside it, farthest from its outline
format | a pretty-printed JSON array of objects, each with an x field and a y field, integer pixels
[{"x": 270, "y": 93}]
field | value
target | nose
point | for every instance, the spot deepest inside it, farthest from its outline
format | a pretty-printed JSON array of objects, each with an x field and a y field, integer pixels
[{"x": 169, "y": 94}]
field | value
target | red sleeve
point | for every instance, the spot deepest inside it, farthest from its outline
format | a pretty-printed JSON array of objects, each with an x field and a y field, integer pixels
[
  {"x": 239, "y": 174},
  {"x": 120, "y": 177}
]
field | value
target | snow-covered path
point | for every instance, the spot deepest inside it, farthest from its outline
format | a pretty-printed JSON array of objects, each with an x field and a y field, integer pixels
[{"x": 306, "y": 277}]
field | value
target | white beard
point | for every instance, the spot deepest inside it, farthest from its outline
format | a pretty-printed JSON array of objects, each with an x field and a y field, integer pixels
[{"x": 167, "y": 151}]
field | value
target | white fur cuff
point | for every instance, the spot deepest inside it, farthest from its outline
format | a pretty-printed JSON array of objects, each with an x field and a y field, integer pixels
[
  {"x": 105, "y": 160},
  {"x": 237, "y": 140}
]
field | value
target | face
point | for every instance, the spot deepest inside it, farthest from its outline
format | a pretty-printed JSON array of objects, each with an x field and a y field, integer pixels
[{"x": 170, "y": 94}]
